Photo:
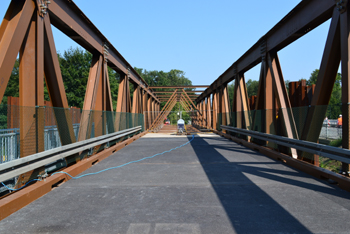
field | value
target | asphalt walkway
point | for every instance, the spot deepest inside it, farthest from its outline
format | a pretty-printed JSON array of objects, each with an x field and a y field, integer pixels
[{"x": 211, "y": 185}]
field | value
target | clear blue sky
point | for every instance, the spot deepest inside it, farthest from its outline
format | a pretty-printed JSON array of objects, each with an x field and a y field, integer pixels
[{"x": 200, "y": 37}]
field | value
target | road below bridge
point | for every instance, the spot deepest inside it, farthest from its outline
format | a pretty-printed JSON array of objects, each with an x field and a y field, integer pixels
[{"x": 211, "y": 185}]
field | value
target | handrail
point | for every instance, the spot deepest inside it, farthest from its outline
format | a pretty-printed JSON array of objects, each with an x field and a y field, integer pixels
[
  {"x": 339, "y": 154},
  {"x": 19, "y": 166}
]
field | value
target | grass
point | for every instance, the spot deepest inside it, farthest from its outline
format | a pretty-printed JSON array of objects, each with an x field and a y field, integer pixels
[
  {"x": 336, "y": 143},
  {"x": 331, "y": 164}
]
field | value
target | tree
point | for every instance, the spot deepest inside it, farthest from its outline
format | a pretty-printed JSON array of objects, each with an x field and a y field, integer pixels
[
  {"x": 313, "y": 78},
  {"x": 334, "y": 105},
  {"x": 75, "y": 67},
  {"x": 160, "y": 78},
  {"x": 231, "y": 91},
  {"x": 286, "y": 82},
  {"x": 252, "y": 87}
]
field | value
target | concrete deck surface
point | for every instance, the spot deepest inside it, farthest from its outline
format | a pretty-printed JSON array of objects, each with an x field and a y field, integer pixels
[{"x": 211, "y": 185}]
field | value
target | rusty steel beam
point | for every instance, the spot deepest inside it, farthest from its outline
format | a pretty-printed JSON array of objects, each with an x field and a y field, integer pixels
[
  {"x": 179, "y": 87},
  {"x": 283, "y": 99},
  {"x": 149, "y": 116},
  {"x": 325, "y": 81},
  {"x": 55, "y": 86},
  {"x": 188, "y": 102},
  {"x": 204, "y": 113},
  {"x": 124, "y": 101},
  {"x": 137, "y": 100},
  {"x": 11, "y": 204},
  {"x": 164, "y": 108},
  {"x": 192, "y": 98},
  {"x": 345, "y": 66},
  {"x": 31, "y": 82},
  {"x": 12, "y": 32},
  {"x": 306, "y": 16},
  {"x": 70, "y": 20},
  {"x": 209, "y": 114},
  {"x": 90, "y": 97},
  {"x": 187, "y": 91},
  {"x": 168, "y": 95},
  {"x": 215, "y": 110},
  {"x": 184, "y": 105},
  {"x": 144, "y": 107},
  {"x": 164, "y": 114},
  {"x": 240, "y": 104}
]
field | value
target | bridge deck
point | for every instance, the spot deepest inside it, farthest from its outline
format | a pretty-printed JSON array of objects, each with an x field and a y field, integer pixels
[{"x": 209, "y": 186}]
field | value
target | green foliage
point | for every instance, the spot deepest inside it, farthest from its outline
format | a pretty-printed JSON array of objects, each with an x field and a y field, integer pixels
[
  {"x": 174, "y": 116},
  {"x": 252, "y": 87},
  {"x": 286, "y": 82},
  {"x": 334, "y": 106},
  {"x": 75, "y": 67},
  {"x": 114, "y": 79},
  {"x": 330, "y": 164},
  {"x": 336, "y": 143},
  {"x": 160, "y": 78},
  {"x": 12, "y": 88},
  {"x": 313, "y": 78},
  {"x": 231, "y": 91}
]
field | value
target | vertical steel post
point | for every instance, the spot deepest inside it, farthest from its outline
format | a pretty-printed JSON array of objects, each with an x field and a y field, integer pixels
[
  {"x": 345, "y": 69},
  {"x": 90, "y": 98},
  {"x": 209, "y": 114}
]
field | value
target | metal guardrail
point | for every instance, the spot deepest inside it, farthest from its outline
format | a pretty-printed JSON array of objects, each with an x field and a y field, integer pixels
[
  {"x": 342, "y": 155},
  {"x": 8, "y": 147},
  {"x": 19, "y": 166},
  {"x": 10, "y": 141}
]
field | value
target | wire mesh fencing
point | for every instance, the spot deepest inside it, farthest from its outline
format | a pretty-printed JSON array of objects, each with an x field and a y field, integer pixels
[
  {"x": 44, "y": 128},
  {"x": 28, "y": 130}
]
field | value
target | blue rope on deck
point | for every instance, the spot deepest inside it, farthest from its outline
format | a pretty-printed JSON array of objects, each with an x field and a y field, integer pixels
[
  {"x": 107, "y": 169},
  {"x": 111, "y": 168},
  {"x": 11, "y": 189}
]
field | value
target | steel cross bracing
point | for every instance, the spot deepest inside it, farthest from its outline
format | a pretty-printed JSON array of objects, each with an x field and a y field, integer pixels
[
  {"x": 26, "y": 29},
  {"x": 272, "y": 95}
]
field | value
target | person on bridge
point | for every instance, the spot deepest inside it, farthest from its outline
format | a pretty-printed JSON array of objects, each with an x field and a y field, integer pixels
[{"x": 340, "y": 121}]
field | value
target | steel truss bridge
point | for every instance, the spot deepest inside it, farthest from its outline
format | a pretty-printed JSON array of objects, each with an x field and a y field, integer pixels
[{"x": 218, "y": 181}]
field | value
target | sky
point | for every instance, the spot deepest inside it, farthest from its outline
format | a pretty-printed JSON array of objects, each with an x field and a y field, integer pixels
[{"x": 200, "y": 37}]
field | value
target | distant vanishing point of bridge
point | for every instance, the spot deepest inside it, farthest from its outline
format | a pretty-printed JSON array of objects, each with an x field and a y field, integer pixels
[{"x": 270, "y": 163}]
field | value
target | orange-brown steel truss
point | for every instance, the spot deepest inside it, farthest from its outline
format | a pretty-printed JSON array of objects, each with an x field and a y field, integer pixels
[
  {"x": 272, "y": 109},
  {"x": 26, "y": 29}
]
